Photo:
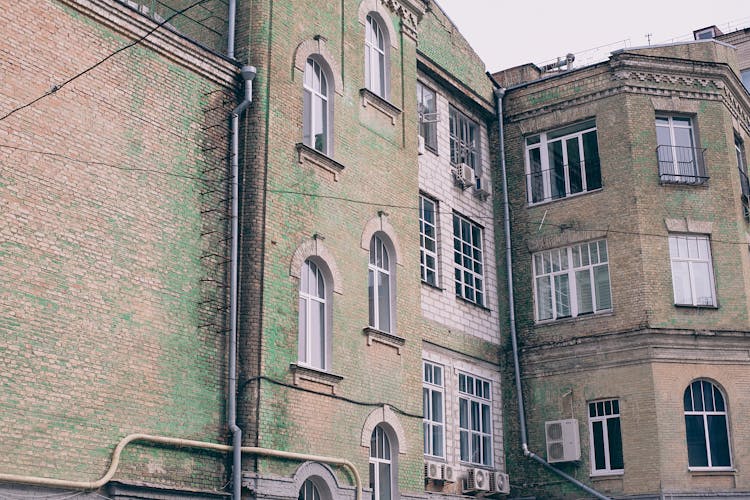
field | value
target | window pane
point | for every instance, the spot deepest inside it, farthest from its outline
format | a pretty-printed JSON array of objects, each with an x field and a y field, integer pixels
[
  {"x": 562, "y": 295},
  {"x": 384, "y": 481},
  {"x": 717, "y": 435},
  {"x": 437, "y": 406},
  {"x": 696, "y": 441},
  {"x": 317, "y": 337},
  {"x": 681, "y": 283},
  {"x": 574, "y": 165},
  {"x": 603, "y": 293},
  {"x": 591, "y": 159},
  {"x": 464, "y": 445},
  {"x": 557, "y": 169},
  {"x": 703, "y": 290},
  {"x": 536, "y": 175},
  {"x": 384, "y": 302},
  {"x": 584, "y": 292},
  {"x": 437, "y": 440},
  {"x": 486, "y": 450},
  {"x": 614, "y": 435},
  {"x": 371, "y": 295},
  {"x": 302, "y": 349},
  {"x": 598, "y": 432}
]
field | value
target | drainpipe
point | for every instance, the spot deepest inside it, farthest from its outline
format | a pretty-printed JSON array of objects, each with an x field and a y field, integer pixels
[
  {"x": 230, "y": 28},
  {"x": 499, "y": 94},
  {"x": 248, "y": 73}
]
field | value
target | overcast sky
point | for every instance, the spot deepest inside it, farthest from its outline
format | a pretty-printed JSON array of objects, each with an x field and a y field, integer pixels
[{"x": 508, "y": 33}]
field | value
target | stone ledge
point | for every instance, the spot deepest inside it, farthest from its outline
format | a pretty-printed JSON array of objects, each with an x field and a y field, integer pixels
[
  {"x": 372, "y": 99},
  {"x": 314, "y": 375},
  {"x": 307, "y": 154},
  {"x": 375, "y": 335}
]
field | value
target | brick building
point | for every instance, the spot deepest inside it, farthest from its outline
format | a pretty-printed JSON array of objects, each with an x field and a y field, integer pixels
[
  {"x": 369, "y": 314},
  {"x": 628, "y": 190}
]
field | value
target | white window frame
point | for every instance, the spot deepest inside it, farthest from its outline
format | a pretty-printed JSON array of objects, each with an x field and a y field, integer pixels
[
  {"x": 428, "y": 237},
  {"x": 376, "y": 57},
  {"x": 673, "y": 154},
  {"x": 567, "y": 263},
  {"x": 379, "y": 269},
  {"x": 308, "y": 300},
  {"x": 464, "y": 140},
  {"x": 705, "y": 414},
  {"x": 388, "y": 459},
  {"x": 694, "y": 257},
  {"x": 316, "y": 107},
  {"x": 565, "y": 136},
  {"x": 309, "y": 491},
  {"x": 433, "y": 424},
  {"x": 469, "y": 281},
  {"x": 605, "y": 411},
  {"x": 476, "y": 393},
  {"x": 428, "y": 116}
]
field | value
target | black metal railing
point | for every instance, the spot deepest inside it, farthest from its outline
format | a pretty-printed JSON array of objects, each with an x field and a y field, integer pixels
[
  {"x": 681, "y": 164},
  {"x": 588, "y": 171}
]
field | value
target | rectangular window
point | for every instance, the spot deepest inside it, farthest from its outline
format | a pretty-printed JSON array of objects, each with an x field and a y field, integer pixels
[
  {"x": 680, "y": 160},
  {"x": 468, "y": 260},
  {"x": 428, "y": 117},
  {"x": 605, "y": 437},
  {"x": 739, "y": 148},
  {"x": 572, "y": 281},
  {"x": 562, "y": 163},
  {"x": 475, "y": 419},
  {"x": 692, "y": 270},
  {"x": 433, "y": 391},
  {"x": 464, "y": 136},
  {"x": 428, "y": 257},
  {"x": 745, "y": 74}
]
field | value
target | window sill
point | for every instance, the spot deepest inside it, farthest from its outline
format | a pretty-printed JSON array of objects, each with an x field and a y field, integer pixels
[
  {"x": 552, "y": 200},
  {"x": 306, "y": 154},
  {"x": 568, "y": 319},
  {"x": 691, "y": 306},
  {"x": 692, "y": 181},
  {"x": 315, "y": 375},
  {"x": 369, "y": 98},
  {"x": 712, "y": 471},
  {"x": 374, "y": 335},
  {"x": 472, "y": 303},
  {"x": 604, "y": 475},
  {"x": 434, "y": 287}
]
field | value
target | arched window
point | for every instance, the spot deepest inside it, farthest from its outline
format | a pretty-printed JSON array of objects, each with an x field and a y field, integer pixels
[
  {"x": 313, "y": 316},
  {"x": 379, "y": 285},
  {"x": 381, "y": 477},
  {"x": 706, "y": 426},
  {"x": 375, "y": 57},
  {"x": 315, "y": 125},
  {"x": 309, "y": 491}
]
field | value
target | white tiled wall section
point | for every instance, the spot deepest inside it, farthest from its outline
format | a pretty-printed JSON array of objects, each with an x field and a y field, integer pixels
[
  {"x": 436, "y": 181},
  {"x": 452, "y": 366}
]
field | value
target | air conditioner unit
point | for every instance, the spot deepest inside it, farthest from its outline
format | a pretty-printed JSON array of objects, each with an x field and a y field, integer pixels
[
  {"x": 465, "y": 175},
  {"x": 499, "y": 483},
  {"x": 449, "y": 473},
  {"x": 433, "y": 471},
  {"x": 477, "y": 480},
  {"x": 563, "y": 442},
  {"x": 420, "y": 144}
]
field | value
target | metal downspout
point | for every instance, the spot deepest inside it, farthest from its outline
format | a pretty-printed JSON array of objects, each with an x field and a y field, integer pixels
[
  {"x": 499, "y": 94},
  {"x": 248, "y": 73},
  {"x": 230, "y": 29}
]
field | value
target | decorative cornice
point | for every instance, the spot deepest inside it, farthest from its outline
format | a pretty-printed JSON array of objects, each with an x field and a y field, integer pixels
[{"x": 410, "y": 12}]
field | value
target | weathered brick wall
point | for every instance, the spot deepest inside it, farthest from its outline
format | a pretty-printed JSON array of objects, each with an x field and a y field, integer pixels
[
  {"x": 617, "y": 354},
  {"x": 111, "y": 246}
]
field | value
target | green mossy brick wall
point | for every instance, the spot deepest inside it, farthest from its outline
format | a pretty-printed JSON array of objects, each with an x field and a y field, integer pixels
[
  {"x": 441, "y": 41},
  {"x": 380, "y": 168},
  {"x": 110, "y": 313}
]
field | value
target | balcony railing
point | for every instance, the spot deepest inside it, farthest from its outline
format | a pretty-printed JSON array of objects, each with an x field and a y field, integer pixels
[
  {"x": 566, "y": 180},
  {"x": 681, "y": 164}
]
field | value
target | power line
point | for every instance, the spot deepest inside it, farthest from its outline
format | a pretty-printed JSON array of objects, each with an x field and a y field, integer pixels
[
  {"x": 103, "y": 164},
  {"x": 138, "y": 40}
]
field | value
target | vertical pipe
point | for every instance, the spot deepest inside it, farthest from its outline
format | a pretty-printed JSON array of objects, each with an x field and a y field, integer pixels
[
  {"x": 248, "y": 74},
  {"x": 230, "y": 29},
  {"x": 499, "y": 94}
]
